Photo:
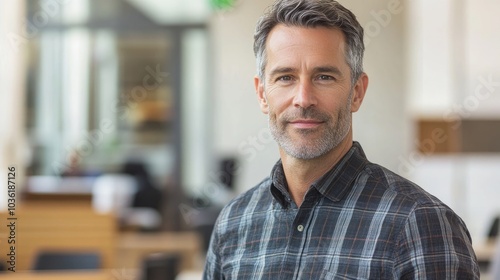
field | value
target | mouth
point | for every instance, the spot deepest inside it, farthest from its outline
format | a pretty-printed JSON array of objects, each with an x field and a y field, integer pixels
[{"x": 305, "y": 123}]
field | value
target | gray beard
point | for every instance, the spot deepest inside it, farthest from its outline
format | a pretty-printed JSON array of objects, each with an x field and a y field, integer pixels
[{"x": 333, "y": 134}]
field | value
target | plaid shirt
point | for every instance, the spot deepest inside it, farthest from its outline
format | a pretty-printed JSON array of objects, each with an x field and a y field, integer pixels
[{"x": 359, "y": 221}]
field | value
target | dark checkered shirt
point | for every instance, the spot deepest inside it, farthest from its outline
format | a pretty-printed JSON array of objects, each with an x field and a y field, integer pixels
[{"x": 359, "y": 221}]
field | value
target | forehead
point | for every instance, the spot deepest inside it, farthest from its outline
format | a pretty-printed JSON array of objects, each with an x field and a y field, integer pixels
[{"x": 306, "y": 45}]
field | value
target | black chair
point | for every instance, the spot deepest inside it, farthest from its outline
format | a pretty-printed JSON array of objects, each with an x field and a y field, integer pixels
[
  {"x": 67, "y": 261},
  {"x": 494, "y": 228},
  {"x": 160, "y": 267}
]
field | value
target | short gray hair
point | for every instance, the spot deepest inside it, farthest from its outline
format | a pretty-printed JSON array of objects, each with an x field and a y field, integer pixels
[{"x": 312, "y": 13}]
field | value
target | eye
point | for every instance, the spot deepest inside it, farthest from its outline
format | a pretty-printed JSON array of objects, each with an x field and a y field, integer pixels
[
  {"x": 285, "y": 78},
  {"x": 326, "y": 78}
]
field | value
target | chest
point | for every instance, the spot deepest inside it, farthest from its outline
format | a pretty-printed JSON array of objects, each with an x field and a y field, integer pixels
[{"x": 311, "y": 243}]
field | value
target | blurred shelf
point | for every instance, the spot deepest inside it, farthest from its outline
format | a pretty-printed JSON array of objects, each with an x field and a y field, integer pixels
[{"x": 439, "y": 136}]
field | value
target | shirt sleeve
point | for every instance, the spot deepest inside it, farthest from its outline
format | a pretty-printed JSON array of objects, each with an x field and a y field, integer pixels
[
  {"x": 212, "y": 269},
  {"x": 435, "y": 244}
]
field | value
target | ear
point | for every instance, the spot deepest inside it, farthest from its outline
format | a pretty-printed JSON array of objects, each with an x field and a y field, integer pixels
[
  {"x": 261, "y": 95},
  {"x": 359, "y": 92}
]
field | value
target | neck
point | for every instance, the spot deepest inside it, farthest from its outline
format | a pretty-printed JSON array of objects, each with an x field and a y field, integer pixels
[{"x": 300, "y": 174}]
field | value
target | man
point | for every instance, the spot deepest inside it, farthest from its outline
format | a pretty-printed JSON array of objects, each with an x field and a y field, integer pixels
[{"x": 326, "y": 212}]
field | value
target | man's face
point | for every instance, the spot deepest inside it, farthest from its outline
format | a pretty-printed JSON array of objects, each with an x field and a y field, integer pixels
[{"x": 307, "y": 90}]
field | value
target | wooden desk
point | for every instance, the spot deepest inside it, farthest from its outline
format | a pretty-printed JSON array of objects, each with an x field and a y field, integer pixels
[
  {"x": 60, "y": 228},
  {"x": 67, "y": 275},
  {"x": 134, "y": 247},
  {"x": 485, "y": 251}
]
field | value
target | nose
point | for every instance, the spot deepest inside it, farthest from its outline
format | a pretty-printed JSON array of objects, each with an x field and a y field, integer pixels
[{"x": 304, "y": 96}]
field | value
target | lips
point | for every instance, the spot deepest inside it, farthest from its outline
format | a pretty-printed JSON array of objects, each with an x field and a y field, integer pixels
[{"x": 305, "y": 123}]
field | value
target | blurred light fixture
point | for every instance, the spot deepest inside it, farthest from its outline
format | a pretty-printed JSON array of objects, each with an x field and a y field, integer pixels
[
  {"x": 76, "y": 12},
  {"x": 173, "y": 11}
]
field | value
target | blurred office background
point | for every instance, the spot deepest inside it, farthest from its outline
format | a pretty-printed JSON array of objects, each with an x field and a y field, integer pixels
[{"x": 145, "y": 109}]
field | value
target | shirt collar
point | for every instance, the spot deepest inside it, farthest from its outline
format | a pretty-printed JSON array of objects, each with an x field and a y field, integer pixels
[{"x": 334, "y": 185}]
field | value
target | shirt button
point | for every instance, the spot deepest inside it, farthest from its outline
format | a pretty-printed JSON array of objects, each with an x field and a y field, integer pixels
[{"x": 300, "y": 228}]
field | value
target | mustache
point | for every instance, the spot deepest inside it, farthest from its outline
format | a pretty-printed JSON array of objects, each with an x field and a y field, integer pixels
[{"x": 305, "y": 113}]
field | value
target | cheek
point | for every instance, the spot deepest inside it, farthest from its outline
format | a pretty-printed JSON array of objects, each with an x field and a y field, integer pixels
[
  {"x": 275, "y": 111},
  {"x": 275, "y": 105},
  {"x": 335, "y": 103},
  {"x": 279, "y": 100}
]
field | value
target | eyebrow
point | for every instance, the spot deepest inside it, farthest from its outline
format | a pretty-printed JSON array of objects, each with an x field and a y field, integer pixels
[
  {"x": 319, "y": 69},
  {"x": 329, "y": 69},
  {"x": 281, "y": 70}
]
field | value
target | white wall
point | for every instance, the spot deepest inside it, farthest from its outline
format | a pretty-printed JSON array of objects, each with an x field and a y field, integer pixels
[
  {"x": 382, "y": 125},
  {"x": 432, "y": 48},
  {"x": 240, "y": 128},
  {"x": 482, "y": 56},
  {"x": 453, "y": 49}
]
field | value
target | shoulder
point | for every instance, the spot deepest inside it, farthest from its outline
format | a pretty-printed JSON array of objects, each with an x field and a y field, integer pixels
[
  {"x": 401, "y": 201},
  {"x": 430, "y": 234},
  {"x": 400, "y": 188},
  {"x": 404, "y": 201}
]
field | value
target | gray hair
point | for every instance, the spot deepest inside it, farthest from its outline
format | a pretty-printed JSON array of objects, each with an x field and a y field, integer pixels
[{"x": 312, "y": 13}]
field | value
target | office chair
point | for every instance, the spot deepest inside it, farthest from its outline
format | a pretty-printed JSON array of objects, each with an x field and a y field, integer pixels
[
  {"x": 67, "y": 261},
  {"x": 160, "y": 267}
]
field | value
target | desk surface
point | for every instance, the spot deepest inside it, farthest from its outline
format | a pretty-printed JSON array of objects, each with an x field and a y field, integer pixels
[
  {"x": 162, "y": 241},
  {"x": 132, "y": 248},
  {"x": 69, "y": 275}
]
